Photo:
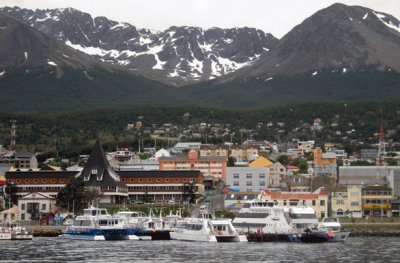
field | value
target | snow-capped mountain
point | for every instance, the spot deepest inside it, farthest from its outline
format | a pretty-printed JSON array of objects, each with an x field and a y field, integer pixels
[
  {"x": 188, "y": 53},
  {"x": 337, "y": 39}
]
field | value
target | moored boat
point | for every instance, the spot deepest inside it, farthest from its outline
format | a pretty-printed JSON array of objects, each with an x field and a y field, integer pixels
[
  {"x": 206, "y": 229},
  {"x": 332, "y": 227},
  {"x": 97, "y": 224}
]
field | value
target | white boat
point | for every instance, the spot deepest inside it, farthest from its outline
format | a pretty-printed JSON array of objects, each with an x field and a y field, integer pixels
[
  {"x": 301, "y": 217},
  {"x": 333, "y": 227},
  {"x": 14, "y": 232},
  {"x": 261, "y": 216},
  {"x": 133, "y": 220},
  {"x": 5, "y": 233},
  {"x": 206, "y": 229},
  {"x": 97, "y": 224},
  {"x": 155, "y": 227}
]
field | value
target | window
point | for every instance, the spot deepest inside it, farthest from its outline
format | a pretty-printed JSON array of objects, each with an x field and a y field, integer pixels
[
  {"x": 262, "y": 183},
  {"x": 22, "y": 206},
  {"x": 43, "y": 206},
  {"x": 235, "y": 183},
  {"x": 355, "y": 204},
  {"x": 339, "y": 201},
  {"x": 53, "y": 181},
  {"x": 322, "y": 203},
  {"x": 61, "y": 180},
  {"x": 158, "y": 180},
  {"x": 140, "y": 180},
  {"x": 167, "y": 180},
  {"x": 131, "y": 180},
  {"x": 249, "y": 183},
  {"x": 262, "y": 176},
  {"x": 313, "y": 202},
  {"x": 22, "y": 216},
  {"x": 149, "y": 180}
]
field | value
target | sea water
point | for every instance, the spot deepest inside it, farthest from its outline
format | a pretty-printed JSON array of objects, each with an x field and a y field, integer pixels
[{"x": 357, "y": 249}]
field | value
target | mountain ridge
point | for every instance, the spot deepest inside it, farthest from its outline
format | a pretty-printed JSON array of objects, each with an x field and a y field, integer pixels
[{"x": 175, "y": 55}]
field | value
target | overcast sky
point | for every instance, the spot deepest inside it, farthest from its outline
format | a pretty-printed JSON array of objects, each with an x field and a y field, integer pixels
[{"x": 272, "y": 16}]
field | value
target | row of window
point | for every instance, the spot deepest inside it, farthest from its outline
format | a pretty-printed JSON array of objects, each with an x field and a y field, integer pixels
[
  {"x": 162, "y": 188},
  {"x": 377, "y": 201},
  {"x": 249, "y": 176},
  {"x": 377, "y": 192},
  {"x": 158, "y": 180},
  {"x": 23, "y": 207},
  {"x": 249, "y": 183},
  {"x": 39, "y": 188},
  {"x": 43, "y": 181}
]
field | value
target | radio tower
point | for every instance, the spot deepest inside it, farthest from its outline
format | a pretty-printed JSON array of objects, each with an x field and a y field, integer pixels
[
  {"x": 380, "y": 159},
  {"x": 13, "y": 134}
]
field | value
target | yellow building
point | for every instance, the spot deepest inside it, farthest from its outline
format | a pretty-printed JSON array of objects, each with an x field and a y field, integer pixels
[
  {"x": 347, "y": 203},
  {"x": 376, "y": 199}
]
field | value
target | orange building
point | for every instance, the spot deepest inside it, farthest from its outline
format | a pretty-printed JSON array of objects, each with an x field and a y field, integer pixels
[
  {"x": 324, "y": 163},
  {"x": 214, "y": 166}
]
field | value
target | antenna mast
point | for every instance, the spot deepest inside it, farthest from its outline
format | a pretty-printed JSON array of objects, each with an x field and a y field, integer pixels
[
  {"x": 380, "y": 159},
  {"x": 13, "y": 135}
]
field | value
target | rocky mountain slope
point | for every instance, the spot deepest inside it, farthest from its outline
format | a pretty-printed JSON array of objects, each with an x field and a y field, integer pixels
[
  {"x": 40, "y": 73},
  {"x": 338, "y": 38},
  {"x": 178, "y": 53}
]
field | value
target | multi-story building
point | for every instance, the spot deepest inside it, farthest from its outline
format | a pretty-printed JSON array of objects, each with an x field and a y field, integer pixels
[
  {"x": 324, "y": 163},
  {"x": 247, "y": 179},
  {"x": 34, "y": 203},
  {"x": 247, "y": 153},
  {"x": 20, "y": 160},
  {"x": 354, "y": 203},
  {"x": 46, "y": 182},
  {"x": 212, "y": 166},
  {"x": 305, "y": 146},
  {"x": 277, "y": 172},
  {"x": 112, "y": 186},
  {"x": 162, "y": 186},
  {"x": 318, "y": 199},
  {"x": 213, "y": 150},
  {"x": 376, "y": 199}
]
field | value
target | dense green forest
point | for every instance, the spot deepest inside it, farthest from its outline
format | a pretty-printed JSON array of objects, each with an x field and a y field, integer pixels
[{"x": 73, "y": 132}]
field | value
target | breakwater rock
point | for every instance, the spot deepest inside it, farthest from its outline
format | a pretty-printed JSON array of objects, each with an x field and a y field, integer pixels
[
  {"x": 373, "y": 230},
  {"x": 359, "y": 233},
  {"x": 47, "y": 232}
]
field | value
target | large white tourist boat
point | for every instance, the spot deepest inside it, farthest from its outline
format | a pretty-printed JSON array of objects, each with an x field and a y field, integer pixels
[
  {"x": 97, "y": 224},
  {"x": 265, "y": 221},
  {"x": 262, "y": 216},
  {"x": 207, "y": 229}
]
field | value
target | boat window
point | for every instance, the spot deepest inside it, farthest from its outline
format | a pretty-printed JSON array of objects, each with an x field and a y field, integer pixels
[
  {"x": 93, "y": 212},
  {"x": 103, "y": 212},
  {"x": 303, "y": 216}
]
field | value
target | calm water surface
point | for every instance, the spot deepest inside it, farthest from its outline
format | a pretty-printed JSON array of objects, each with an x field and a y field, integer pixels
[{"x": 358, "y": 249}]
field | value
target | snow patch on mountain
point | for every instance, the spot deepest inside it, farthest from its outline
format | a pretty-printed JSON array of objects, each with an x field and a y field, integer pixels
[{"x": 389, "y": 23}]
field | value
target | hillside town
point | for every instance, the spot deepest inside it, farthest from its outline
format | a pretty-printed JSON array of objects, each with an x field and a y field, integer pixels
[{"x": 324, "y": 178}]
